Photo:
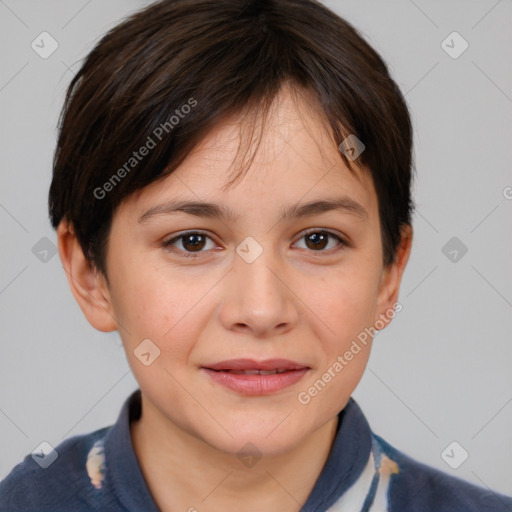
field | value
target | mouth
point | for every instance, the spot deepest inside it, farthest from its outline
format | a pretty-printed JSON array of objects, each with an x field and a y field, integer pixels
[
  {"x": 255, "y": 372},
  {"x": 251, "y": 377}
]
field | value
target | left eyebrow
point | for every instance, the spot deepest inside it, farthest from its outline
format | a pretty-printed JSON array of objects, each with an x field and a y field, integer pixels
[
  {"x": 344, "y": 204},
  {"x": 220, "y": 211}
]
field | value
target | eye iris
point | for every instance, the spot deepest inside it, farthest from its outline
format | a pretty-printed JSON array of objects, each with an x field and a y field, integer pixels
[
  {"x": 194, "y": 242},
  {"x": 319, "y": 240}
]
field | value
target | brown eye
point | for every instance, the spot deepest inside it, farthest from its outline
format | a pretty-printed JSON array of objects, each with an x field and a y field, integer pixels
[
  {"x": 319, "y": 240},
  {"x": 189, "y": 244},
  {"x": 194, "y": 242}
]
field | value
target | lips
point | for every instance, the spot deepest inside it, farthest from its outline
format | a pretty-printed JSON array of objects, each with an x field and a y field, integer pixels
[
  {"x": 256, "y": 372},
  {"x": 251, "y": 377},
  {"x": 264, "y": 367}
]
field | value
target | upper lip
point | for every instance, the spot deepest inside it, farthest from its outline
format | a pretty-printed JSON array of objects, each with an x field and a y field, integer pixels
[{"x": 252, "y": 364}]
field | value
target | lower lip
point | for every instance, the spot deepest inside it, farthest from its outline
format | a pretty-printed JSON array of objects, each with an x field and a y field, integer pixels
[{"x": 256, "y": 384}]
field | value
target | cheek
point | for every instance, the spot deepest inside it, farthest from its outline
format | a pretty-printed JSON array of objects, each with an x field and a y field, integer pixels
[
  {"x": 344, "y": 303},
  {"x": 343, "y": 309},
  {"x": 166, "y": 307}
]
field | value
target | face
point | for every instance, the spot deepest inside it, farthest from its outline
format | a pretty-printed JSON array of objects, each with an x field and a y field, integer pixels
[{"x": 259, "y": 277}]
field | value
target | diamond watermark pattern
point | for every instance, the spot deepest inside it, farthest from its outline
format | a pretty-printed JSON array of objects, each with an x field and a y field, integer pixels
[
  {"x": 249, "y": 250},
  {"x": 146, "y": 352},
  {"x": 454, "y": 455},
  {"x": 44, "y": 45},
  {"x": 351, "y": 147},
  {"x": 454, "y": 45},
  {"x": 249, "y": 455},
  {"x": 45, "y": 454},
  {"x": 454, "y": 249},
  {"x": 44, "y": 250}
]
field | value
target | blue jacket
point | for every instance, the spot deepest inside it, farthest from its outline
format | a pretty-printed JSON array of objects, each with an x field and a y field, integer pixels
[{"x": 100, "y": 472}]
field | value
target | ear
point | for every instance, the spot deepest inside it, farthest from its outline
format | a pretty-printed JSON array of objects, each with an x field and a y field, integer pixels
[
  {"x": 87, "y": 284},
  {"x": 391, "y": 279}
]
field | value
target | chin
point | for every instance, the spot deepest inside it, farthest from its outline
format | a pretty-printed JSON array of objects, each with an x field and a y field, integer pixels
[
  {"x": 245, "y": 447},
  {"x": 269, "y": 438}
]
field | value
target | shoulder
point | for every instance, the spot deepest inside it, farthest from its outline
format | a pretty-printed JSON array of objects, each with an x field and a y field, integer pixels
[
  {"x": 416, "y": 487},
  {"x": 59, "y": 479}
]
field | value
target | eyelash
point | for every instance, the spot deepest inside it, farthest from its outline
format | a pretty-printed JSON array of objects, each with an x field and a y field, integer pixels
[{"x": 190, "y": 254}]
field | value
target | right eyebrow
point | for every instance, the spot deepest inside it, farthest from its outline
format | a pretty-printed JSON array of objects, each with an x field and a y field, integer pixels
[{"x": 199, "y": 209}]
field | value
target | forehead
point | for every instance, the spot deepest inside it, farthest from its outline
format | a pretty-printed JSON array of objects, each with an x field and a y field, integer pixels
[{"x": 292, "y": 156}]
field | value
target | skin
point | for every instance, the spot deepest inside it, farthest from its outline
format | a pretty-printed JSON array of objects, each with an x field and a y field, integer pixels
[{"x": 295, "y": 301}]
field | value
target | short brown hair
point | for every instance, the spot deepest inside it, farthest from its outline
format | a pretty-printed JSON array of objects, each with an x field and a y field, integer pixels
[{"x": 219, "y": 58}]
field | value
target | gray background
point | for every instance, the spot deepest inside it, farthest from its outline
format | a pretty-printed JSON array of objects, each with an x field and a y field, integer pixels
[{"x": 440, "y": 373}]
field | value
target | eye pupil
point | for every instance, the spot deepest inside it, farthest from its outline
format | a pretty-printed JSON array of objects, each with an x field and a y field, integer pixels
[
  {"x": 318, "y": 240},
  {"x": 194, "y": 242}
]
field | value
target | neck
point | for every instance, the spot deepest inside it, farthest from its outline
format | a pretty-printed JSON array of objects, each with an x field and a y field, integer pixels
[{"x": 185, "y": 473}]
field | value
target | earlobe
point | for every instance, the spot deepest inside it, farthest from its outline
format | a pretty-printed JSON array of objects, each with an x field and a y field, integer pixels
[
  {"x": 392, "y": 277},
  {"x": 87, "y": 285}
]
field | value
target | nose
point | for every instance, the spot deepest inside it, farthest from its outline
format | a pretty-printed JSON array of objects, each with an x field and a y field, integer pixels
[{"x": 257, "y": 299}]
